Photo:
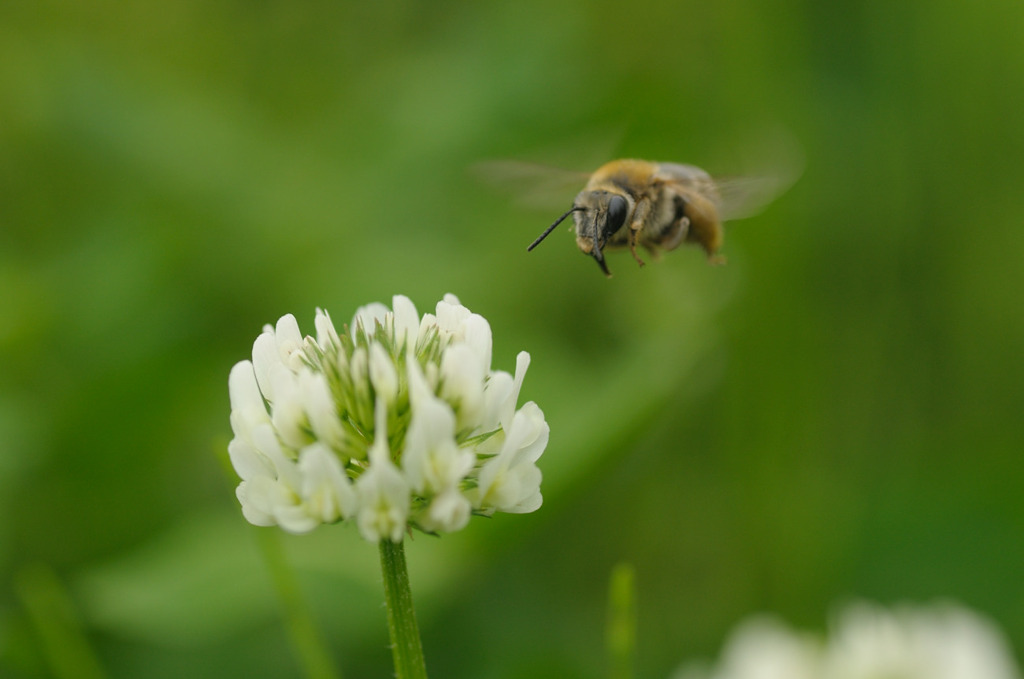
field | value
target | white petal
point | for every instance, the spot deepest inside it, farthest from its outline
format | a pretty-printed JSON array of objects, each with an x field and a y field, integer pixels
[
  {"x": 259, "y": 497},
  {"x": 252, "y": 514},
  {"x": 522, "y": 363},
  {"x": 462, "y": 384},
  {"x": 326, "y": 333},
  {"x": 496, "y": 394},
  {"x": 326, "y": 491},
  {"x": 383, "y": 375},
  {"x": 432, "y": 460},
  {"x": 247, "y": 406},
  {"x": 295, "y": 519},
  {"x": 287, "y": 330},
  {"x": 765, "y": 648},
  {"x": 321, "y": 409},
  {"x": 433, "y": 376},
  {"x": 289, "y": 342},
  {"x": 491, "y": 475},
  {"x": 279, "y": 346},
  {"x": 427, "y": 324},
  {"x": 419, "y": 386},
  {"x": 505, "y": 489},
  {"x": 407, "y": 321},
  {"x": 383, "y": 502},
  {"x": 243, "y": 390},
  {"x": 289, "y": 415},
  {"x": 510, "y": 482},
  {"x": 249, "y": 462},
  {"x": 448, "y": 512},
  {"x": 264, "y": 357},
  {"x": 527, "y": 437},
  {"x": 279, "y": 500},
  {"x": 359, "y": 371},
  {"x": 382, "y": 491},
  {"x": 943, "y": 642},
  {"x": 527, "y": 496},
  {"x": 380, "y": 449},
  {"x": 367, "y": 317},
  {"x": 477, "y": 335},
  {"x": 450, "y": 317},
  {"x": 264, "y": 439}
]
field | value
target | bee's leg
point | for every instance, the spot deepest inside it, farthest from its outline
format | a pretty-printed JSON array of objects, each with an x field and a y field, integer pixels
[
  {"x": 632, "y": 248},
  {"x": 653, "y": 252},
  {"x": 678, "y": 229},
  {"x": 643, "y": 206},
  {"x": 675, "y": 233}
]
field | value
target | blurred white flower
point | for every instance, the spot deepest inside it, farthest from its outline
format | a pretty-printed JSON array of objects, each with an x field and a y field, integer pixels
[
  {"x": 762, "y": 648},
  {"x": 868, "y": 642},
  {"x": 398, "y": 422},
  {"x": 940, "y": 642}
]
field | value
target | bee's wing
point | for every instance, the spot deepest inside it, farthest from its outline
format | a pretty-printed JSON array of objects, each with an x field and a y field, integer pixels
[
  {"x": 735, "y": 197},
  {"x": 769, "y": 165},
  {"x": 531, "y": 184},
  {"x": 744, "y": 197}
]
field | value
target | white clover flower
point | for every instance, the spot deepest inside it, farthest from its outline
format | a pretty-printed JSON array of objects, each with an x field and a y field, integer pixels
[
  {"x": 868, "y": 642},
  {"x": 762, "y": 648},
  {"x": 938, "y": 642},
  {"x": 398, "y": 422}
]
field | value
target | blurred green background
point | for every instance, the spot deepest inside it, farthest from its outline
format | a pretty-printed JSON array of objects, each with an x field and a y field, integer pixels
[{"x": 837, "y": 413}]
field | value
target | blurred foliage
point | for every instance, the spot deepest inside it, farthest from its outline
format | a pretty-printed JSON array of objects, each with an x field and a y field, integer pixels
[{"x": 835, "y": 414}]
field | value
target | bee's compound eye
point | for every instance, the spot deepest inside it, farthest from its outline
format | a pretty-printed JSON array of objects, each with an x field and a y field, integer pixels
[{"x": 617, "y": 208}]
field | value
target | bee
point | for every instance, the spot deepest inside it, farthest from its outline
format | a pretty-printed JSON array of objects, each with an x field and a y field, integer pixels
[{"x": 658, "y": 206}]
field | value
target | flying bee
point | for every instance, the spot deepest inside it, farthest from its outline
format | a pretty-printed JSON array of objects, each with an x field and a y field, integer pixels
[{"x": 658, "y": 206}]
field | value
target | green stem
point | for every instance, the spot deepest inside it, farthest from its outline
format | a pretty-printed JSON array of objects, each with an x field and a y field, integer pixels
[
  {"x": 620, "y": 633},
  {"x": 406, "y": 648},
  {"x": 307, "y": 644},
  {"x": 51, "y": 611}
]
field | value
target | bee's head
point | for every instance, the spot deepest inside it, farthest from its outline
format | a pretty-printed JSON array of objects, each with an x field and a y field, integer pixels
[
  {"x": 598, "y": 215},
  {"x": 602, "y": 215}
]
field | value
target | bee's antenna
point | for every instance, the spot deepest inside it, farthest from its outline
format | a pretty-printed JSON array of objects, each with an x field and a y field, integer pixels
[{"x": 552, "y": 227}]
